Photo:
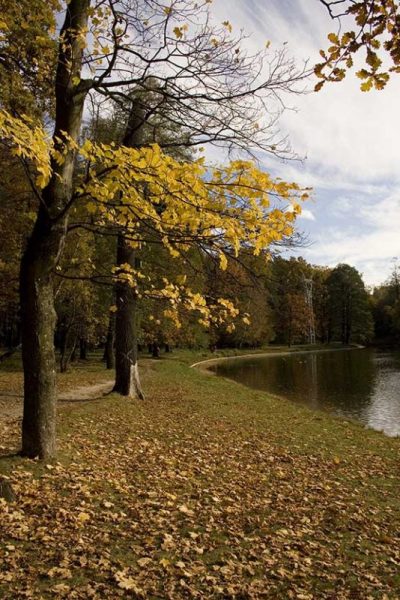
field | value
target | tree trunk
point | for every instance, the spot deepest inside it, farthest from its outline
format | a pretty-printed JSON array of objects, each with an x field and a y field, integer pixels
[
  {"x": 109, "y": 354},
  {"x": 82, "y": 349},
  {"x": 38, "y": 320},
  {"x": 126, "y": 368},
  {"x": 73, "y": 354},
  {"x": 44, "y": 247},
  {"x": 67, "y": 349},
  {"x": 67, "y": 353}
]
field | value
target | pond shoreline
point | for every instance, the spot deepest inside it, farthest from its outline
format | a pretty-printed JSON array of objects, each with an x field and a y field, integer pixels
[
  {"x": 212, "y": 361},
  {"x": 356, "y": 386}
]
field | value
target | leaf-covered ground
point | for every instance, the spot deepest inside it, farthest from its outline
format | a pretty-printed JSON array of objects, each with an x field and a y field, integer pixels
[{"x": 204, "y": 490}]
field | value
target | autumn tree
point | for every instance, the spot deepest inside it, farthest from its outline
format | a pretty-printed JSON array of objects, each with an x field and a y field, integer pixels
[
  {"x": 243, "y": 283},
  {"x": 27, "y": 55},
  {"x": 152, "y": 117},
  {"x": 82, "y": 294},
  {"x": 158, "y": 110},
  {"x": 26, "y": 63},
  {"x": 288, "y": 299},
  {"x": 106, "y": 48}
]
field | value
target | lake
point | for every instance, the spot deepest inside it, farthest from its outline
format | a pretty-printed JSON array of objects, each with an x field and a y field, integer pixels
[{"x": 361, "y": 384}]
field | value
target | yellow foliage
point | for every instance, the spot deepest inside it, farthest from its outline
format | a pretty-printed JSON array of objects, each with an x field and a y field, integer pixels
[
  {"x": 378, "y": 29},
  {"x": 226, "y": 207},
  {"x": 28, "y": 141}
]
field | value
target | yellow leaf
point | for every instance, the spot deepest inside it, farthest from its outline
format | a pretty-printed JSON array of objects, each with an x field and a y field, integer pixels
[
  {"x": 143, "y": 562},
  {"x": 332, "y": 37},
  {"x": 83, "y": 517},
  {"x": 125, "y": 582},
  {"x": 164, "y": 562},
  {"x": 367, "y": 85},
  {"x": 228, "y": 25},
  {"x": 223, "y": 262},
  {"x": 178, "y": 32},
  {"x": 185, "y": 510}
]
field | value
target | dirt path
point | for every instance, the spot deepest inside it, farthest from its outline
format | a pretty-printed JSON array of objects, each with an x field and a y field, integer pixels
[{"x": 11, "y": 397}]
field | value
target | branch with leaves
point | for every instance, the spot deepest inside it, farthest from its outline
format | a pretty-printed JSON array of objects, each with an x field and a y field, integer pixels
[{"x": 376, "y": 34}]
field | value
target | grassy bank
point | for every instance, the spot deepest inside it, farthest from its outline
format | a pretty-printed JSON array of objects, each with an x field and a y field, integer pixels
[{"x": 205, "y": 490}]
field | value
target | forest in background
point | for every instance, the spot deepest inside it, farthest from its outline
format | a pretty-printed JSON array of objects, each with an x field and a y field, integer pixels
[
  {"x": 280, "y": 300},
  {"x": 272, "y": 298}
]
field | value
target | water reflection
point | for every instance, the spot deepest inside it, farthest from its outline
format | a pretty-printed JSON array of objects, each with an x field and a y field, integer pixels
[{"x": 359, "y": 384}]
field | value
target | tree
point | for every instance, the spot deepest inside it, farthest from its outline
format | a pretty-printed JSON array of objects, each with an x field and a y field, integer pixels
[
  {"x": 18, "y": 208},
  {"x": 349, "y": 309},
  {"x": 27, "y": 55},
  {"x": 244, "y": 284},
  {"x": 288, "y": 299},
  {"x": 321, "y": 302},
  {"x": 385, "y": 302},
  {"x": 107, "y": 48},
  {"x": 377, "y": 33},
  {"x": 81, "y": 305}
]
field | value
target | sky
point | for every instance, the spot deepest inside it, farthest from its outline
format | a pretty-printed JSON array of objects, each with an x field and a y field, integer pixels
[{"x": 349, "y": 141}]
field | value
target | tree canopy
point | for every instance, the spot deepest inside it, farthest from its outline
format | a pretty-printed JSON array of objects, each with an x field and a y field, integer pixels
[{"x": 171, "y": 66}]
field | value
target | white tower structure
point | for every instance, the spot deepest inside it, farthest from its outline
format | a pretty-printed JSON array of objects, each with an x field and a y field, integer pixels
[{"x": 308, "y": 288}]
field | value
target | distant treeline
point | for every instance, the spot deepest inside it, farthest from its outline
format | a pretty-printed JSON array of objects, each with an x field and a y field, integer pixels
[{"x": 285, "y": 301}]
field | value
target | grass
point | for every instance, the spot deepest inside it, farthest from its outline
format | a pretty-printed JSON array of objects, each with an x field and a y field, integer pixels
[{"x": 206, "y": 489}]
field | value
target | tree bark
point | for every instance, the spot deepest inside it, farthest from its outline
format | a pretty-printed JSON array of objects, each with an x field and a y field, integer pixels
[
  {"x": 127, "y": 381},
  {"x": 38, "y": 318},
  {"x": 109, "y": 354}
]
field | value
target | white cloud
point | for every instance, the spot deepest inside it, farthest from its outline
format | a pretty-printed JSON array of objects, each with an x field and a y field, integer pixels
[
  {"x": 369, "y": 240},
  {"x": 340, "y": 129},
  {"x": 307, "y": 215},
  {"x": 350, "y": 140}
]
